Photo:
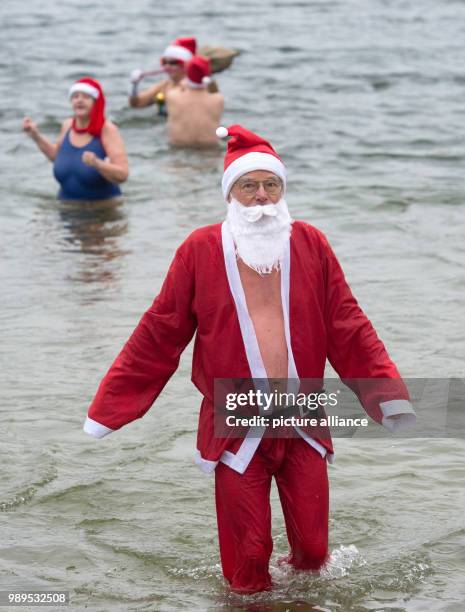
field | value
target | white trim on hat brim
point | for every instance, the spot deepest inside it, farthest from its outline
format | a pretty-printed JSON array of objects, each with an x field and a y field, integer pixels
[
  {"x": 86, "y": 88},
  {"x": 177, "y": 52},
  {"x": 248, "y": 163},
  {"x": 194, "y": 85}
]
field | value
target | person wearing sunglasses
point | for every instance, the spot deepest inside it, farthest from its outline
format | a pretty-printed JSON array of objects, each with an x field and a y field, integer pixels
[
  {"x": 268, "y": 301},
  {"x": 173, "y": 63}
]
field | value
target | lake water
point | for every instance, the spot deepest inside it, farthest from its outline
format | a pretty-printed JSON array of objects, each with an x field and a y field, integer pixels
[{"x": 365, "y": 101}]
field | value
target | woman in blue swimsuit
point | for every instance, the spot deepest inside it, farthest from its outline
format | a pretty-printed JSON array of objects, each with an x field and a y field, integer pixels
[{"x": 89, "y": 158}]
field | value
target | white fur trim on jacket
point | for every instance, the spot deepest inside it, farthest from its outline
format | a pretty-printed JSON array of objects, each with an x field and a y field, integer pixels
[
  {"x": 96, "y": 429},
  {"x": 205, "y": 465},
  {"x": 400, "y": 407}
]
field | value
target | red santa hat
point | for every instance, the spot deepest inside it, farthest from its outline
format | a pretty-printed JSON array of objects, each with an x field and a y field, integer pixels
[
  {"x": 92, "y": 88},
  {"x": 182, "y": 49},
  {"x": 198, "y": 72},
  {"x": 247, "y": 152}
]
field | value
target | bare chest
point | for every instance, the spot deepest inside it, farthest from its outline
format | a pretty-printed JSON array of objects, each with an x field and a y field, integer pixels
[
  {"x": 263, "y": 298},
  {"x": 262, "y": 292}
]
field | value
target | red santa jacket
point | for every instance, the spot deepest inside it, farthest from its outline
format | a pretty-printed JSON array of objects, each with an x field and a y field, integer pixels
[{"x": 202, "y": 293}]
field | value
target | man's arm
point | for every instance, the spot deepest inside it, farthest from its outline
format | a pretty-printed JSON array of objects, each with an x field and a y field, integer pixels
[
  {"x": 147, "y": 97},
  {"x": 359, "y": 356},
  {"x": 149, "y": 358}
]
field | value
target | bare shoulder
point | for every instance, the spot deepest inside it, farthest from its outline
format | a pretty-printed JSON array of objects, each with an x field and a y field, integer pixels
[
  {"x": 111, "y": 138},
  {"x": 169, "y": 86},
  {"x": 216, "y": 98},
  {"x": 65, "y": 126},
  {"x": 174, "y": 92},
  {"x": 109, "y": 128},
  {"x": 158, "y": 86}
]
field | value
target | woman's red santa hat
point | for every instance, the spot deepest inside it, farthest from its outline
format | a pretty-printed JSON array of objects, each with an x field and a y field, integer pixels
[
  {"x": 198, "y": 72},
  {"x": 92, "y": 88},
  {"x": 182, "y": 49},
  {"x": 247, "y": 152}
]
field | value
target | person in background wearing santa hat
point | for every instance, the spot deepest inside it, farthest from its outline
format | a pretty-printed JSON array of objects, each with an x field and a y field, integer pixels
[
  {"x": 173, "y": 62},
  {"x": 193, "y": 112},
  {"x": 89, "y": 157},
  {"x": 267, "y": 299}
]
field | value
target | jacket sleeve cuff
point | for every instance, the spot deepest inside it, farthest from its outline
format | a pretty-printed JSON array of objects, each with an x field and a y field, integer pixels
[
  {"x": 96, "y": 429},
  {"x": 403, "y": 407}
]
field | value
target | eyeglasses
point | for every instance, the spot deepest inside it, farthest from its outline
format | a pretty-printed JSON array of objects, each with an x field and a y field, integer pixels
[
  {"x": 249, "y": 187},
  {"x": 170, "y": 62}
]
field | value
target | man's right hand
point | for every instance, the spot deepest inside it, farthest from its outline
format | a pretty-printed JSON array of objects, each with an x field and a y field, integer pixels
[
  {"x": 29, "y": 127},
  {"x": 137, "y": 75}
]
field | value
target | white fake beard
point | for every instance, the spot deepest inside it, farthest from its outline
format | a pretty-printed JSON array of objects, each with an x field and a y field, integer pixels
[{"x": 260, "y": 244}]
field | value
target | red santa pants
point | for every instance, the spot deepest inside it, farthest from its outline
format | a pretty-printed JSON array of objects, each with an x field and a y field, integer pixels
[{"x": 244, "y": 512}]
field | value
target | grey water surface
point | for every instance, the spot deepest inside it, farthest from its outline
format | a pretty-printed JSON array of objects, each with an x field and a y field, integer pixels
[{"x": 365, "y": 101}]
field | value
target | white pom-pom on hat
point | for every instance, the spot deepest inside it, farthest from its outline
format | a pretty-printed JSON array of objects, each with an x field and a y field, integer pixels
[
  {"x": 206, "y": 80},
  {"x": 222, "y": 132}
]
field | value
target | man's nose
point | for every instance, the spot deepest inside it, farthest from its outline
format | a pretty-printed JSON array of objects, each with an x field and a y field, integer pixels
[{"x": 261, "y": 195}]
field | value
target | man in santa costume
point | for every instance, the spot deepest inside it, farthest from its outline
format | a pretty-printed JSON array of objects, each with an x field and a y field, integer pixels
[
  {"x": 267, "y": 299},
  {"x": 173, "y": 62}
]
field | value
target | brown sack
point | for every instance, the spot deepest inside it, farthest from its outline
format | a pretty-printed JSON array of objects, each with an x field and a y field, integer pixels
[{"x": 220, "y": 57}]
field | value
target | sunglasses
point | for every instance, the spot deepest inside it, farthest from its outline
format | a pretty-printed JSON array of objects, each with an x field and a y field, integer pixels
[{"x": 170, "y": 62}]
